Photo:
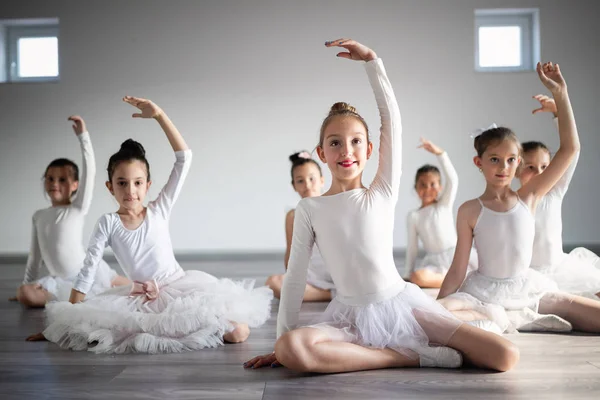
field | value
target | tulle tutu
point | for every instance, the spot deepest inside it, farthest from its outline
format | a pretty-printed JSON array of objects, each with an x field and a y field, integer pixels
[
  {"x": 193, "y": 311},
  {"x": 515, "y": 293},
  {"x": 577, "y": 273},
  {"x": 518, "y": 296},
  {"x": 400, "y": 322},
  {"x": 60, "y": 288},
  {"x": 441, "y": 262},
  {"x": 493, "y": 317}
]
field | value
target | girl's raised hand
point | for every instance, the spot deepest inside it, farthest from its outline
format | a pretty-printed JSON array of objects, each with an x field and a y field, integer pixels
[
  {"x": 148, "y": 108},
  {"x": 430, "y": 147},
  {"x": 547, "y": 104},
  {"x": 356, "y": 51},
  {"x": 551, "y": 77},
  {"x": 268, "y": 360},
  {"x": 78, "y": 124}
]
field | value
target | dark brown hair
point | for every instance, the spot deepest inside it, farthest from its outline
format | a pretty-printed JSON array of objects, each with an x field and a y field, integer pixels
[
  {"x": 130, "y": 150},
  {"x": 298, "y": 161},
  {"x": 427, "y": 168},
  {"x": 533, "y": 145},
  {"x": 65, "y": 162}
]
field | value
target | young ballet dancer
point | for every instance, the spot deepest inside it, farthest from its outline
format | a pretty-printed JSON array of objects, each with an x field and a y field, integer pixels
[
  {"x": 433, "y": 222},
  {"x": 579, "y": 271},
  {"x": 56, "y": 237},
  {"x": 166, "y": 309},
  {"x": 377, "y": 320},
  {"x": 502, "y": 224},
  {"x": 307, "y": 181}
]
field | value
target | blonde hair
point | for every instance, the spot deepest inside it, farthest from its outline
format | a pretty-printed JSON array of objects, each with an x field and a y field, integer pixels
[{"x": 341, "y": 109}]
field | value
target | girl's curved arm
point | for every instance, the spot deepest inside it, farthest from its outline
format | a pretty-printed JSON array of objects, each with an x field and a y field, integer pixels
[
  {"x": 538, "y": 186},
  {"x": 412, "y": 245},
  {"x": 289, "y": 231},
  {"x": 85, "y": 191},
  {"x": 98, "y": 242},
  {"x": 450, "y": 190},
  {"x": 563, "y": 183},
  {"x": 294, "y": 280},
  {"x": 458, "y": 270},
  {"x": 387, "y": 178},
  {"x": 34, "y": 258},
  {"x": 183, "y": 155}
]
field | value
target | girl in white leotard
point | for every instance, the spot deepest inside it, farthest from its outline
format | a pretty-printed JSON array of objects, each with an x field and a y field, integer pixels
[
  {"x": 377, "y": 320},
  {"x": 502, "y": 224}
]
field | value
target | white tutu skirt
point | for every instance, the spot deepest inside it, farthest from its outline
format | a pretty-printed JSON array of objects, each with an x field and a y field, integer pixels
[
  {"x": 193, "y": 310},
  {"x": 577, "y": 273},
  {"x": 518, "y": 296},
  {"x": 523, "y": 291},
  {"x": 60, "y": 288},
  {"x": 318, "y": 277},
  {"x": 440, "y": 262},
  {"x": 407, "y": 321}
]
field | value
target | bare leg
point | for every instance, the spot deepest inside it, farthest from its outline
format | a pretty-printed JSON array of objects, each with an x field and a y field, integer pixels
[
  {"x": 120, "y": 281},
  {"x": 581, "y": 312},
  {"x": 462, "y": 310},
  {"x": 33, "y": 295},
  {"x": 478, "y": 347},
  {"x": 427, "y": 279},
  {"x": 311, "y": 293},
  {"x": 275, "y": 282},
  {"x": 484, "y": 349},
  {"x": 312, "y": 350},
  {"x": 238, "y": 335}
]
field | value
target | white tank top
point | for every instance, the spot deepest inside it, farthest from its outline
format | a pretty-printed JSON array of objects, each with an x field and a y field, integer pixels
[{"x": 504, "y": 240}]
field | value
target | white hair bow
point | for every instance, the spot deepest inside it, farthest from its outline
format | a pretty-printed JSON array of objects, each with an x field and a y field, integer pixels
[{"x": 478, "y": 132}]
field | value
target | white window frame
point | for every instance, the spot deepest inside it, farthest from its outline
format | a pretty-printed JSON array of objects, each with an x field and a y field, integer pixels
[
  {"x": 28, "y": 28},
  {"x": 525, "y": 18}
]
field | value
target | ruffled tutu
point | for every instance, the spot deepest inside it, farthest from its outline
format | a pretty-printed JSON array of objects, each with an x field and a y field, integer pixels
[
  {"x": 518, "y": 296},
  {"x": 440, "y": 262},
  {"x": 60, "y": 288},
  {"x": 407, "y": 321},
  {"x": 577, "y": 273},
  {"x": 193, "y": 310},
  {"x": 515, "y": 293}
]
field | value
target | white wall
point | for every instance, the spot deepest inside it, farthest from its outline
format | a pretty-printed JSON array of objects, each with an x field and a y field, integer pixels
[{"x": 248, "y": 83}]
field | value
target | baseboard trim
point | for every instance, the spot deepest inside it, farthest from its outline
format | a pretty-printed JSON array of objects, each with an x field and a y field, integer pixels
[{"x": 240, "y": 255}]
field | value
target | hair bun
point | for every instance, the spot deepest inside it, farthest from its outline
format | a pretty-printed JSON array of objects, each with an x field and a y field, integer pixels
[
  {"x": 301, "y": 155},
  {"x": 341, "y": 107},
  {"x": 130, "y": 146}
]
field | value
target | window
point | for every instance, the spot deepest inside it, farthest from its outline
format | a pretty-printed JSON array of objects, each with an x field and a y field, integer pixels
[
  {"x": 29, "y": 50},
  {"x": 506, "y": 40}
]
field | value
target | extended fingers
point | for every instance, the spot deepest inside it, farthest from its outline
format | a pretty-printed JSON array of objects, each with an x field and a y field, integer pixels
[{"x": 337, "y": 42}]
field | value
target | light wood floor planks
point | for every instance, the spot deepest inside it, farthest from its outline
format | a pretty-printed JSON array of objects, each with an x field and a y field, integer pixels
[{"x": 551, "y": 367}]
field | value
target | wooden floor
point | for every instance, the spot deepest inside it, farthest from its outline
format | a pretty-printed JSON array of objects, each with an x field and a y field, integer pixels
[{"x": 551, "y": 367}]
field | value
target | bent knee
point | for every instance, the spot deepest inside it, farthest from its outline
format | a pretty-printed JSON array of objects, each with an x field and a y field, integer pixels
[
  {"x": 293, "y": 351},
  {"x": 274, "y": 282},
  {"x": 32, "y": 296},
  {"x": 426, "y": 279},
  {"x": 508, "y": 357},
  {"x": 419, "y": 278},
  {"x": 238, "y": 335}
]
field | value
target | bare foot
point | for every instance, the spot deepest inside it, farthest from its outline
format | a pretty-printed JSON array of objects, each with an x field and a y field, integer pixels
[{"x": 36, "y": 337}]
